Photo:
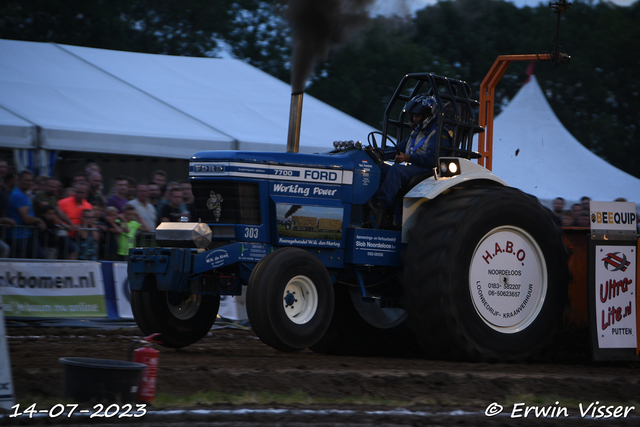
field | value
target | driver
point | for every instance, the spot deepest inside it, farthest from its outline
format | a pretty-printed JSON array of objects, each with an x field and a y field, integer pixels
[{"x": 417, "y": 154}]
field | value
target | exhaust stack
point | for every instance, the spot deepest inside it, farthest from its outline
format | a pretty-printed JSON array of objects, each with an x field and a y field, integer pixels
[{"x": 295, "y": 118}]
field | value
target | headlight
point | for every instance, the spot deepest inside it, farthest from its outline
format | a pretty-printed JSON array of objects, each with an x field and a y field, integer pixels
[{"x": 449, "y": 167}]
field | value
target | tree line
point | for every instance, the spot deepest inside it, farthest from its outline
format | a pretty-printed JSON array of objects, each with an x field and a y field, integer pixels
[{"x": 596, "y": 96}]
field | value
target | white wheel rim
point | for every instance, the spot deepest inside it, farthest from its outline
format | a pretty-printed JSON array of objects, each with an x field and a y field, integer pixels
[
  {"x": 186, "y": 308},
  {"x": 300, "y": 299},
  {"x": 508, "y": 279}
]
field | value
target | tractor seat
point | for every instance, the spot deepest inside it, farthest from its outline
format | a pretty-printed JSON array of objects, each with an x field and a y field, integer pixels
[{"x": 415, "y": 180}]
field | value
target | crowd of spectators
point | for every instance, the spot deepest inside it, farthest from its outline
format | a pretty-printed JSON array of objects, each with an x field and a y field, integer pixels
[
  {"x": 578, "y": 215},
  {"x": 41, "y": 219}
]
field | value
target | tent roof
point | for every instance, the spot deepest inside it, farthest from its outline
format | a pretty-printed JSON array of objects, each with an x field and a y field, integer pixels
[
  {"x": 103, "y": 101},
  {"x": 16, "y": 132},
  {"x": 534, "y": 152}
]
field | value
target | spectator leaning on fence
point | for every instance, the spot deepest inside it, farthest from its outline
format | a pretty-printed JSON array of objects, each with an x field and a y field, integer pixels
[
  {"x": 48, "y": 197},
  {"x": 74, "y": 206},
  {"x": 89, "y": 236},
  {"x": 145, "y": 209},
  {"x": 130, "y": 229},
  {"x": 56, "y": 237},
  {"x": 20, "y": 209},
  {"x": 111, "y": 227},
  {"x": 174, "y": 210},
  {"x": 119, "y": 199}
]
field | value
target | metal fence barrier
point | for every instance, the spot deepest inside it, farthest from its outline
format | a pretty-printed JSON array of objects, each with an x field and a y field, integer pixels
[{"x": 28, "y": 242}]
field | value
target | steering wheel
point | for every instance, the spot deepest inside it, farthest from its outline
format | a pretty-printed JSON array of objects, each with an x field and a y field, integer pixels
[
  {"x": 378, "y": 152},
  {"x": 371, "y": 139}
]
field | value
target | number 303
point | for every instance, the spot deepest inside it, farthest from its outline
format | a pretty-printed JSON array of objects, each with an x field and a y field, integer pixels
[{"x": 250, "y": 233}]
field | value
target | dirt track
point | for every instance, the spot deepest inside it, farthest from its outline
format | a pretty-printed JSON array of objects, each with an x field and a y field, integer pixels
[{"x": 235, "y": 362}]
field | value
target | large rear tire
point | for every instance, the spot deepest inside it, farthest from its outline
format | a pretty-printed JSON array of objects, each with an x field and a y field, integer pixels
[
  {"x": 386, "y": 333},
  {"x": 181, "y": 318},
  {"x": 290, "y": 299},
  {"x": 485, "y": 275}
]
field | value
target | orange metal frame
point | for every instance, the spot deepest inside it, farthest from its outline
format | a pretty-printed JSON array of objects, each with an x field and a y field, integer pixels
[{"x": 487, "y": 95}]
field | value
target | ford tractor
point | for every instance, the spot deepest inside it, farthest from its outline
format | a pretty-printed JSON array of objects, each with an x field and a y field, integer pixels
[{"x": 476, "y": 271}]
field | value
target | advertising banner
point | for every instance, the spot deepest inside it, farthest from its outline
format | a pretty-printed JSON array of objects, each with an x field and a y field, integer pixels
[
  {"x": 613, "y": 216},
  {"x": 52, "y": 289},
  {"x": 123, "y": 294},
  {"x": 6, "y": 382},
  {"x": 615, "y": 296}
]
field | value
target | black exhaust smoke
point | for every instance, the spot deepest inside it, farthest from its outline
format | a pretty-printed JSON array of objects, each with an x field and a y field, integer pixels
[{"x": 316, "y": 26}]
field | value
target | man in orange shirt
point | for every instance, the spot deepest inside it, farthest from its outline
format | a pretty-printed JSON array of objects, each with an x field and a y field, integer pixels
[{"x": 74, "y": 206}]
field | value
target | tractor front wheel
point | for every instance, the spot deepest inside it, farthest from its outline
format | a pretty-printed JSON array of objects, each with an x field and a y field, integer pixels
[
  {"x": 181, "y": 318},
  {"x": 290, "y": 299}
]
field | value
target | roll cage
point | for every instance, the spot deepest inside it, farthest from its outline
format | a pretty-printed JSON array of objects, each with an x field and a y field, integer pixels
[{"x": 456, "y": 109}]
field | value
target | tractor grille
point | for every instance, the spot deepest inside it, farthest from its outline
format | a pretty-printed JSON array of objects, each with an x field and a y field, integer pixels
[{"x": 240, "y": 202}]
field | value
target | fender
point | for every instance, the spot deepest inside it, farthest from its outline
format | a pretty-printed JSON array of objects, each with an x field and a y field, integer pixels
[{"x": 470, "y": 174}]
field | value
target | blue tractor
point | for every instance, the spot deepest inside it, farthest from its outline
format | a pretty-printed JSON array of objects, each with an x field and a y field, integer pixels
[{"x": 476, "y": 271}]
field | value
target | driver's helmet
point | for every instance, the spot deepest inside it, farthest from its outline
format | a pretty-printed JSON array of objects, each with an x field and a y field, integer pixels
[{"x": 423, "y": 105}]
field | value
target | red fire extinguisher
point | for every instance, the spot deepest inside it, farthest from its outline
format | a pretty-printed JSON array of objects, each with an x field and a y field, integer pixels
[{"x": 149, "y": 357}]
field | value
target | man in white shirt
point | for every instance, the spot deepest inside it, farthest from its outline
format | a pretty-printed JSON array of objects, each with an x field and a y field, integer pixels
[{"x": 146, "y": 210}]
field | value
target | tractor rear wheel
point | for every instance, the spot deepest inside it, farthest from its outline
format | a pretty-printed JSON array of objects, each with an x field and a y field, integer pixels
[
  {"x": 290, "y": 299},
  {"x": 181, "y": 318},
  {"x": 485, "y": 275}
]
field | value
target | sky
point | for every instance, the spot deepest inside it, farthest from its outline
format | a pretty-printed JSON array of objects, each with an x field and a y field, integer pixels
[{"x": 404, "y": 7}]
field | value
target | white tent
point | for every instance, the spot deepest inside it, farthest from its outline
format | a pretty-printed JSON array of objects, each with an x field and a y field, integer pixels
[
  {"x": 60, "y": 97},
  {"x": 534, "y": 152},
  {"x": 16, "y": 132}
]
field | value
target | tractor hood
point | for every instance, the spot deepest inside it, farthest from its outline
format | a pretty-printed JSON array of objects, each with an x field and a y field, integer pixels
[
  {"x": 353, "y": 168},
  {"x": 331, "y": 160}
]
